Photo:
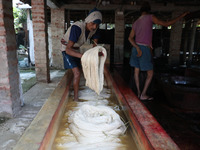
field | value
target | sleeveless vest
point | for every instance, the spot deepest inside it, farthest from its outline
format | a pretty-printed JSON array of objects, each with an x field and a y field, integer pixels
[{"x": 81, "y": 39}]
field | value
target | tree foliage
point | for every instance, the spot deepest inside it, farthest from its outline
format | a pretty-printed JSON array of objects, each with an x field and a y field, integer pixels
[{"x": 20, "y": 17}]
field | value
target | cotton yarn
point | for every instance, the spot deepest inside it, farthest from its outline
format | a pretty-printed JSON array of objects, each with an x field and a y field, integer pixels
[
  {"x": 93, "y": 67},
  {"x": 95, "y": 124}
]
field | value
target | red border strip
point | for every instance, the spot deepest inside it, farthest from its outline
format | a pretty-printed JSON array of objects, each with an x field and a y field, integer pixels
[{"x": 49, "y": 131}]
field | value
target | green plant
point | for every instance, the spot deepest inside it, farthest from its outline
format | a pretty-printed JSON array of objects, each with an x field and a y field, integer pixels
[
  {"x": 22, "y": 47},
  {"x": 20, "y": 17}
]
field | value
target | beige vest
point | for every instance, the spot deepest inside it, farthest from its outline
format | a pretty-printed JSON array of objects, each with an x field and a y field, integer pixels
[{"x": 81, "y": 39}]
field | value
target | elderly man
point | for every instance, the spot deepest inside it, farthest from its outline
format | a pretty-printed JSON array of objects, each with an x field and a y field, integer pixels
[{"x": 77, "y": 35}]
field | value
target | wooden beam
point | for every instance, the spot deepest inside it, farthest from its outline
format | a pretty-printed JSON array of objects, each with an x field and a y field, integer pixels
[
  {"x": 193, "y": 15},
  {"x": 52, "y": 4},
  {"x": 155, "y": 7}
]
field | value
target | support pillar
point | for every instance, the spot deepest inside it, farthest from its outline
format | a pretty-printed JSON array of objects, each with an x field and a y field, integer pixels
[
  {"x": 175, "y": 41},
  {"x": 193, "y": 34},
  {"x": 40, "y": 40},
  {"x": 186, "y": 41},
  {"x": 57, "y": 32},
  {"x": 119, "y": 37},
  {"x": 9, "y": 75},
  {"x": 68, "y": 19}
]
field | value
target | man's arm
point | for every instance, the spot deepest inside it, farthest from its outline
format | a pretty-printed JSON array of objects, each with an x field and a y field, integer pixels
[
  {"x": 73, "y": 38},
  {"x": 132, "y": 41},
  {"x": 168, "y": 23},
  {"x": 95, "y": 37},
  {"x": 95, "y": 42},
  {"x": 71, "y": 51}
]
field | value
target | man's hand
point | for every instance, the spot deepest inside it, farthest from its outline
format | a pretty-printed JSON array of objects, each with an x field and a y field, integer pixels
[
  {"x": 101, "y": 54},
  {"x": 63, "y": 42},
  {"x": 139, "y": 52}
]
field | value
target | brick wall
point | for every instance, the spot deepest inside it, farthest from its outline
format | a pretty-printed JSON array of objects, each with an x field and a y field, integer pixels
[
  {"x": 9, "y": 76},
  {"x": 57, "y": 32},
  {"x": 119, "y": 37},
  {"x": 40, "y": 40}
]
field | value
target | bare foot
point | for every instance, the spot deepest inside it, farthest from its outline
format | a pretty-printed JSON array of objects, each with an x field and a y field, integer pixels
[
  {"x": 148, "y": 98},
  {"x": 76, "y": 99},
  {"x": 139, "y": 95}
]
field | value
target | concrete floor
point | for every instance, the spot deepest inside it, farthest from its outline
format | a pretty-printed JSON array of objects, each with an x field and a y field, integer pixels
[
  {"x": 183, "y": 127},
  {"x": 11, "y": 130}
]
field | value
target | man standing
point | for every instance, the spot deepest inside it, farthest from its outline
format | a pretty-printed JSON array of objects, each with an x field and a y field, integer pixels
[
  {"x": 141, "y": 39},
  {"x": 77, "y": 35}
]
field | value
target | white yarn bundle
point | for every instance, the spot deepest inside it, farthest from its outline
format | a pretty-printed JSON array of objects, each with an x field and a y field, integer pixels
[
  {"x": 96, "y": 124},
  {"x": 93, "y": 67},
  {"x": 93, "y": 124}
]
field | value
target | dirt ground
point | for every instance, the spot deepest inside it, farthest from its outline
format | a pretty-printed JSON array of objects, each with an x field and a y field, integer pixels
[{"x": 12, "y": 129}]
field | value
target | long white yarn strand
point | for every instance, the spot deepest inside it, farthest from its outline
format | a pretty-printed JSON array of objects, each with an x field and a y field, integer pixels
[{"x": 93, "y": 67}]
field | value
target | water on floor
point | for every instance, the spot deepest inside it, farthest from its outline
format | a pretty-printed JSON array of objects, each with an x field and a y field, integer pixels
[{"x": 66, "y": 140}]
